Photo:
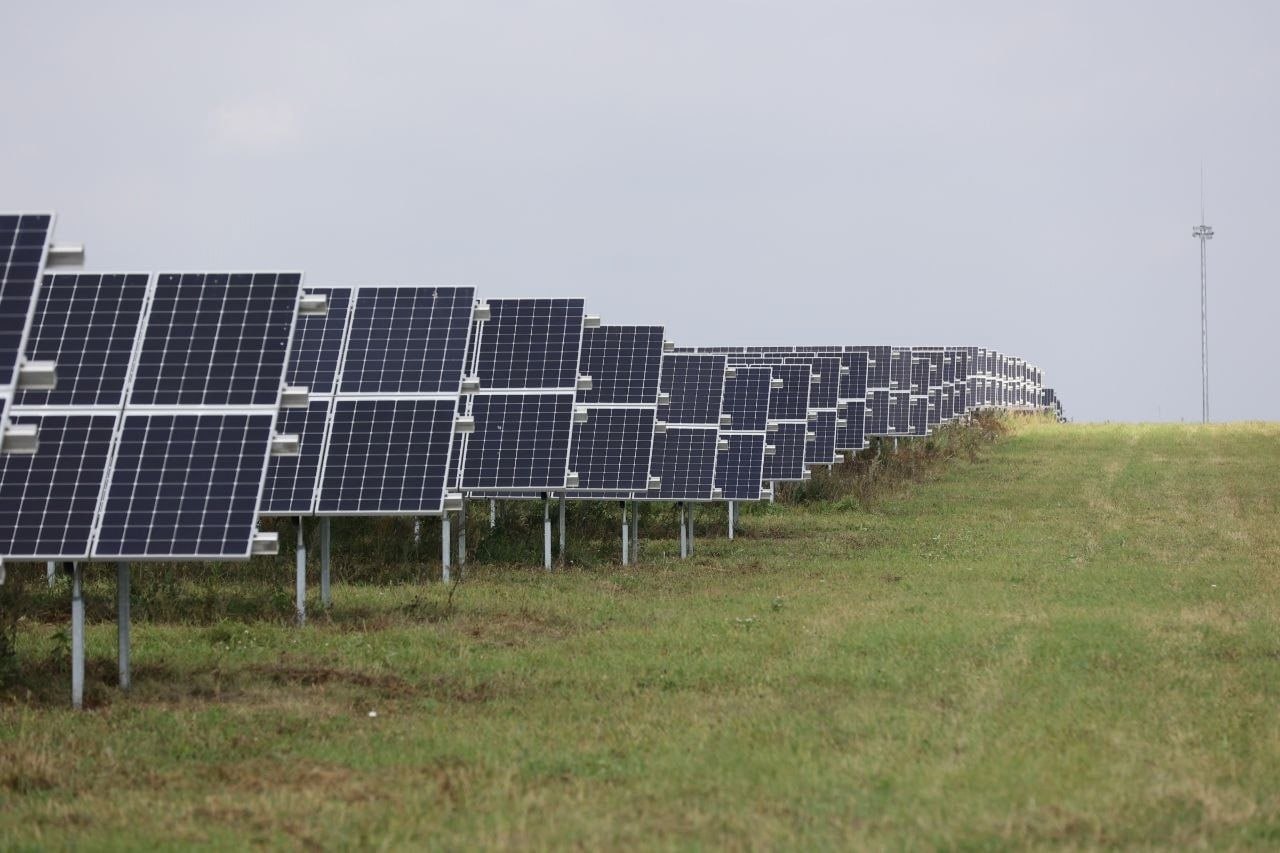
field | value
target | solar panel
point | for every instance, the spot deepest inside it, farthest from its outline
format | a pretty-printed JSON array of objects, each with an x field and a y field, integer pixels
[
  {"x": 24, "y": 244},
  {"x": 317, "y": 343},
  {"x": 611, "y": 451},
  {"x": 392, "y": 420},
  {"x": 314, "y": 363},
  {"x": 87, "y": 324},
  {"x": 791, "y": 402},
  {"x": 787, "y": 461},
  {"x": 185, "y": 486},
  {"x": 740, "y": 469},
  {"x": 825, "y": 393},
  {"x": 216, "y": 339},
  {"x": 530, "y": 343},
  {"x": 696, "y": 386},
  {"x": 526, "y": 359},
  {"x": 407, "y": 340},
  {"x": 879, "y": 360},
  {"x": 386, "y": 456},
  {"x": 823, "y": 403},
  {"x": 899, "y": 413},
  {"x": 189, "y": 469},
  {"x": 878, "y": 420},
  {"x": 960, "y": 402},
  {"x": 854, "y": 385},
  {"x": 854, "y": 433},
  {"x": 48, "y": 501},
  {"x": 685, "y": 459},
  {"x": 746, "y": 398},
  {"x": 624, "y": 363},
  {"x": 822, "y": 449},
  {"x": 521, "y": 441},
  {"x": 291, "y": 480}
]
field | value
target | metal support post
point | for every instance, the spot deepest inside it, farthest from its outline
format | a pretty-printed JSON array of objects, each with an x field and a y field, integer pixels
[
  {"x": 564, "y": 561},
  {"x": 300, "y": 582},
  {"x": 635, "y": 533},
  {"x": 445, "y": 527},
  {"x": 77, "y": 635},
  {"x": 462, "y": 535},
  {"x": 684, "y": 542},
  {"x": 626, "y": 544},
  {"x": 122, "y": 624},
  {"x": 325, "y": 597},
  {"x": 546, "y": 530},
  {"x": 689, "y": 525}
]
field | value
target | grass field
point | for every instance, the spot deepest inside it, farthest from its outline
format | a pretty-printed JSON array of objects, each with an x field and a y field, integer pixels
[{"x": 1072, "y": 641}]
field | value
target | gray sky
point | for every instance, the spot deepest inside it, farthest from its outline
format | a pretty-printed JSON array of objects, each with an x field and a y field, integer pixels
[{"x": 1016, "y": 175}]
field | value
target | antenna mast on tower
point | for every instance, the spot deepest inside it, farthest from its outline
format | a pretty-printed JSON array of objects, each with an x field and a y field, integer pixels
[{"x": 1204, "y": 234}]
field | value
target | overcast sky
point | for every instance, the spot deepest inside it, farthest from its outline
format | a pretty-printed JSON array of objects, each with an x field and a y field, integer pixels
[{"x": 1017, "y": 175}]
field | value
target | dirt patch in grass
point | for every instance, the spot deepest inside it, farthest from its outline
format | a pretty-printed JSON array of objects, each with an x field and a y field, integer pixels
[{"x": 315, "y": 675}]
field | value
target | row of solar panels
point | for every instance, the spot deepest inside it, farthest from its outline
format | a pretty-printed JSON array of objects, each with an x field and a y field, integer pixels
[{"x": 187, "y": 404}]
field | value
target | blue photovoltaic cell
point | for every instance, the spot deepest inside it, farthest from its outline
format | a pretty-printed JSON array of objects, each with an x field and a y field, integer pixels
[
  {"x": 611, "y": 450},
  {"x": 740, "y": 469},
  {"x": 624, "y": 363},
  {"x": 746, "y": 398},
  {"x": 216, "y": 339},
  {"x": 386, "y": 456},
  {"x": 23, "y": 241},
  {"x": 185, "y": 485},
  {"x": 48, "y": 500},
  {"x": 685, "y": 459},
  {"x": 521, "y": 441},
  {"x": 317, "y": 343},
  {"x": 852, "y": 436},
  {"x": 696, "y": 386},
  {"x": 407, "y": 340},
  {"x": 822, "y": 450},
  {"x": 86, "y": 324},
  {"x": 791, "y": 402},
  {"x": 787, "y": 461},
  {"x": 291, "y": 480},
  {"x": 530, "y": 344}
]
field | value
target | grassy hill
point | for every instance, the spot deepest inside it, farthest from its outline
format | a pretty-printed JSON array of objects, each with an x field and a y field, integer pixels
[{"x": 1073, "y": 639}]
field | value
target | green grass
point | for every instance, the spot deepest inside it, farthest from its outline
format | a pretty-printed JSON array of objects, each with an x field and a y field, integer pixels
[{"x": 1070, "y": 641}]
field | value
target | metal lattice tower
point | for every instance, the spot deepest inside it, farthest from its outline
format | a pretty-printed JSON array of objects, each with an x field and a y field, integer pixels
[{"x": 1204, "y": 234}]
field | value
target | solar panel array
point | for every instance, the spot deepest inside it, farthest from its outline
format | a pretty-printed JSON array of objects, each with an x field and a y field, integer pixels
[
  {"x": 155, "y": 439},
  {"x": 392, "y": 417},
  {"x": 195, "y": 438},
  {"x": 740, "y": 470},
  {"x": 613, "y": 448},
  {"x": 685, "y": 454},
  {"x": 526, "y": 359},
  {"x": 88, "y": 325},
  {"x": 314, "y": 363}
]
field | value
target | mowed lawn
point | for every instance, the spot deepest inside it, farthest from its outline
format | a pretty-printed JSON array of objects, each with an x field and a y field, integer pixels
[{"x": 1072, "y": 641}]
